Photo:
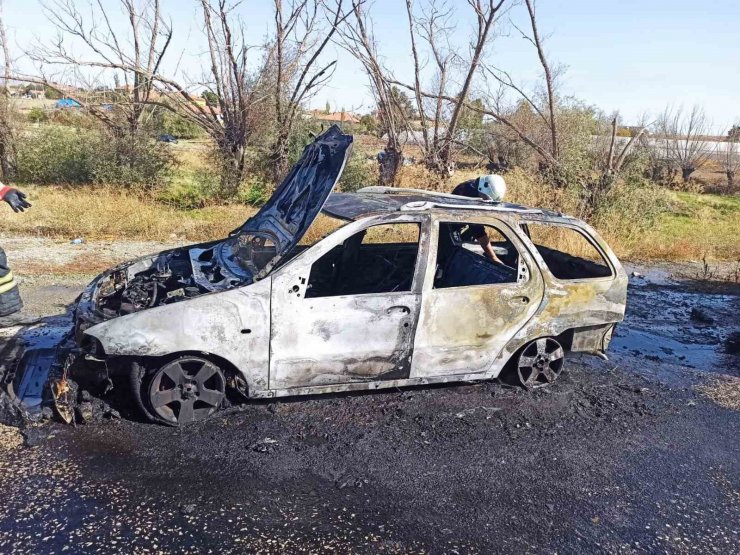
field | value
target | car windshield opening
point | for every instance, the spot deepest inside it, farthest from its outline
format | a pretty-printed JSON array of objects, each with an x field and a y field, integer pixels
[{"x": 252, "y": 251}]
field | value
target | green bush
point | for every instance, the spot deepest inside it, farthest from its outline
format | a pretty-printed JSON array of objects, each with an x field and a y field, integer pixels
[
  {"x": 191, "y": 189},
  {"x": 57, "y": 155},
  {"x": 357, "y": 173},
  {"x": 254, "y": 191},
  {"x": 37, "y": 115},
  {"x": 139, "y": 162},
  {"x": 169, "y": 123},
  {"x": 74, "y": 156},
  {"x": 631, "y": 209}
]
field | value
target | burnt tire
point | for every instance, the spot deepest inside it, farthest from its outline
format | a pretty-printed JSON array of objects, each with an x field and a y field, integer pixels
[
  {"x": 136, "y": 376},
  {"x": 540, "y": 363},
  {"x": 182, "y": 391}
]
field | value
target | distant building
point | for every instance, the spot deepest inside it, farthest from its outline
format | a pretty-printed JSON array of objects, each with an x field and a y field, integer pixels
[{"x": 334, "y": 117}]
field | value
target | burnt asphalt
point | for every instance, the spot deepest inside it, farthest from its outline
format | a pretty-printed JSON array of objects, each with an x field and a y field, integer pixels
[{"x": 618, "y": 457}]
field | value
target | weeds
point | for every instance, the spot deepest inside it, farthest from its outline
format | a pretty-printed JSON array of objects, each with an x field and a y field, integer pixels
[
  {"x": 63, "y": 155},
  {"x": 109, "y": 213},
  {"x": 638, "y": 219}
]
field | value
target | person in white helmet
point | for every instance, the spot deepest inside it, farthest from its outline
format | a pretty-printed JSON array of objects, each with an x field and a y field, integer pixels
[{"x": 486, "y": 187}]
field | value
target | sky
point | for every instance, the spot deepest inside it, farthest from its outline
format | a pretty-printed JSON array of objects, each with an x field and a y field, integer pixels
[{"x": 632, "y": 56}]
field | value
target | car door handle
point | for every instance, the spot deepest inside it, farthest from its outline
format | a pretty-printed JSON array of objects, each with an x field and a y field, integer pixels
[
  {"x": 519, "y": 300},
  {"x": 403, "y": 309}
]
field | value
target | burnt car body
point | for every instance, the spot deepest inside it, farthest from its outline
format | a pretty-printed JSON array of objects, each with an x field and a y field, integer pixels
[{"x": 417, "y": 304}]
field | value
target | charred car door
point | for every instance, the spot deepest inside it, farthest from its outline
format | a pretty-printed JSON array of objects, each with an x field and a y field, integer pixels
[
  {"x": 472, "y": 306},
  {"x": 346, "y": 310}
]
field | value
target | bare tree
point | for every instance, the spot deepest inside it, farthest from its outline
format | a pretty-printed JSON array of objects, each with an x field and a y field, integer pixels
[
  {"x": 357, "y": 37},
  {"x": 684, "y": 136},
  {"x": 7, "y": 130},
  {"x": 238, "y": 89},
  {"x": 731, "y": 157},
  {"x": 303, "y": 29},
  {"x": 542, "y": 101},
  {"x": 610, "y": 162},
  {"x": 134, "y": 50},
  {"x": 138, "y": 56},
  {"x": 433, "y": 26}
]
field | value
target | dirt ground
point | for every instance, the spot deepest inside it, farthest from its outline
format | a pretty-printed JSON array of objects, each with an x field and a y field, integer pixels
[{"x": 624, "y": 456}]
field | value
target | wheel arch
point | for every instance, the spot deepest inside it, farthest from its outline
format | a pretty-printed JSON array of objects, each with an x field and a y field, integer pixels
[
  {"x": 565, "y": 338},
  {"x": 153, "y": 362}
]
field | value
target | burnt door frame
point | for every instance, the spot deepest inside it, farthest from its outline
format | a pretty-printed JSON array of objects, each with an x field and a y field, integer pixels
[
  {"x": 462, "y": 330},
  {"x": 337, "y": 340}
]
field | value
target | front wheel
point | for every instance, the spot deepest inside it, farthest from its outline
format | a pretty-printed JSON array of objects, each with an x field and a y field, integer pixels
[
  {"x": 185, "y": 390},
  {"x": 540, "y": 363}
]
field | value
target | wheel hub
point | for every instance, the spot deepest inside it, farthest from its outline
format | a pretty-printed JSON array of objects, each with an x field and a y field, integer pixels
[
  {"x": 540, "y": 363},
  {"x": 189, "y": 391},
  {"x": 186, "y": 390}
]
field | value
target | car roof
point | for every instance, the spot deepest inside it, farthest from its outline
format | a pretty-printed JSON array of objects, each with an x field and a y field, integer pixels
[{"x": 373, "y": 201}]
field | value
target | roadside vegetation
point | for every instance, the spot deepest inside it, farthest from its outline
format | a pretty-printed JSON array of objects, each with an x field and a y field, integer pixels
[{"x": 103, "y": 164}]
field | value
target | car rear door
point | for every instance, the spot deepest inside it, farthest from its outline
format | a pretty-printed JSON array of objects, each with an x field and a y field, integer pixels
[{"x": 465, "y": 324}]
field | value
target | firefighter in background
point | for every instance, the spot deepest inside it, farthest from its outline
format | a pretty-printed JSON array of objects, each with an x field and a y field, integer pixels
[
  {"x": 486, "y": 187},
  {"x": 10, "y": 297}
]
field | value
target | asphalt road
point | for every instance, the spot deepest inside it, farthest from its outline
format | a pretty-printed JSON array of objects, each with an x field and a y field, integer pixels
[{"x": 622, "y": 456}]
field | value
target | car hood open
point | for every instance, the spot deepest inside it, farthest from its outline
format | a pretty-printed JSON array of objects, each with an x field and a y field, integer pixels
[{"x": 297, "y": 201}]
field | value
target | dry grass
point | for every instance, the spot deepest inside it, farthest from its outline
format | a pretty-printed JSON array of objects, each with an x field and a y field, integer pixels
[
  {"x": 80, "y": 265},
  {"x": 107, "y": 213},
  {"x": 698, "y": 226},
  {"x": 725, "y": 391}
]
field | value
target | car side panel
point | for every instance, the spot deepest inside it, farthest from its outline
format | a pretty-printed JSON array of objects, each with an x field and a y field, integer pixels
[
  {"x": 589, "y": 305},
  {"x": 233, "y": 325}
]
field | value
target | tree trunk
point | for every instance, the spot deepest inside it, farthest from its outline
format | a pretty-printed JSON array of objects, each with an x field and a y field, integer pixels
[
  {"x": 7, "y": 146},
  {"x": 389, "y": 166},
  {"x": 232, "y": 172},
  {"x": 279, "y": 158},
  {"x": 7, "y": 166},
  {"x": 730, "y": 179}
]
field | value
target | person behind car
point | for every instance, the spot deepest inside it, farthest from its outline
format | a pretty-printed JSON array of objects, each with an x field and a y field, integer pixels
[
  {"x": 10, "y": 297},
  {"x": 486, "y": 187}
]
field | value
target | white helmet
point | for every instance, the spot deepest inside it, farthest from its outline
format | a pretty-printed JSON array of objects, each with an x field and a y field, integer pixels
[{"x": 492, "y": 186}]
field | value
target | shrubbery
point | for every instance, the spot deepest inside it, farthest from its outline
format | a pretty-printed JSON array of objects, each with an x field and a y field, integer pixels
[
  {"x": 168, "y": 123},
  {"x": 66, "y": 155},
  {"x": 37, "y": 115},
  {"x": 57, "y": 155},
  {"x": 358, "y": 173}
]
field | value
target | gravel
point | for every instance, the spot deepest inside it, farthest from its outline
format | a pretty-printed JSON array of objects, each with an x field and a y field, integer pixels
[{"x": 626, "y": 456}]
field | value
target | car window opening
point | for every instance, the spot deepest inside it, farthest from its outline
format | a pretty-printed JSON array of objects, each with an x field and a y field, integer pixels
[
  {"x": 462, "y": 262},
  {"x": 379, "y": 259},
  {"x": 567, "y": 252}
]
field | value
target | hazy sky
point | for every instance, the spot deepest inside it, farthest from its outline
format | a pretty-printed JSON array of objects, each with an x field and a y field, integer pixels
[{"x": 635, "y": 56}]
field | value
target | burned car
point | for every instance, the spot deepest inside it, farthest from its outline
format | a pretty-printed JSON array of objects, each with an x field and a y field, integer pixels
[{"x": 392, "y": 293}]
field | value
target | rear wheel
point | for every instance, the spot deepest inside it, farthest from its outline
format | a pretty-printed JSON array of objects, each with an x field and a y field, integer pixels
[
  {"x": 185, "y": 390},
  {"x": 540, "y": 363}
]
